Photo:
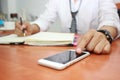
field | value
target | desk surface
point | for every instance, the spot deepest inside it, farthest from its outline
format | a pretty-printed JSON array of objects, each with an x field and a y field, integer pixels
[{"x": 19, "y": 62}]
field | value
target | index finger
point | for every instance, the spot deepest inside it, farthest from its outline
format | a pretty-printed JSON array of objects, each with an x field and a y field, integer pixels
[
  {"x": 17, "y": 25},
  {"x": 84, "y": 40}
]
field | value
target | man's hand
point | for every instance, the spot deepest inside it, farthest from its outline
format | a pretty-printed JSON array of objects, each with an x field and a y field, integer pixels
[
  {"x": 94, "y": 41},
  {"x": 29, "y": 29}
]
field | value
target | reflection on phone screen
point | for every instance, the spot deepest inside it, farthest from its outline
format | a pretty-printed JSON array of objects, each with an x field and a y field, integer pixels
[{"x": 64, "y": 57}]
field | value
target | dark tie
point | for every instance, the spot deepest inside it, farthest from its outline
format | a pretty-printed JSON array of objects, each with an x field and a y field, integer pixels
[{"x": 73, "y": 28}]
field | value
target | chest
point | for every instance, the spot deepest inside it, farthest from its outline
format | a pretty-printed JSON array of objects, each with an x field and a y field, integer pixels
[{"x": 87, "y": 8}]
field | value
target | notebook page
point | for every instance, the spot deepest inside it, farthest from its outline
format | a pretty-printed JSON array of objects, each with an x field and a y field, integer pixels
[
  {"x": 51, "y": 36},
  {"x": 12, "y": 38}
]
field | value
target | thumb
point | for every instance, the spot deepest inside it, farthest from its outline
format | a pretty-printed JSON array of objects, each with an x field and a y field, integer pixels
[{"x": 23, "y": 27}]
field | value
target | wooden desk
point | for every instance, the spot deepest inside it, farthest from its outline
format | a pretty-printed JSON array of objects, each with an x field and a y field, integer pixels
[
  {"x": 19, "y": 62},
  {"x": 6, "y": 32}
]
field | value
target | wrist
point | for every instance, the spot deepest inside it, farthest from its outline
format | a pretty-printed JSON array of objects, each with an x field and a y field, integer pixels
[
  {"x": 107, "y": 34},
  {"x": 112, "y": 29}
]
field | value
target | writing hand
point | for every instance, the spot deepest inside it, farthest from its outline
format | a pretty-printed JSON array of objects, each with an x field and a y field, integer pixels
[{"x": 25, "y": 26}]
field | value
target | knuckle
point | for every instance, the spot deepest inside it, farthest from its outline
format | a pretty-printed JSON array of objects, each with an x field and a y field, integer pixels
[
  {"x": 100, "y": 35},
  {"x": 97, "y": 51},
  {"x": 107, "y": 49},
  {"x": 89, "y": 48}
]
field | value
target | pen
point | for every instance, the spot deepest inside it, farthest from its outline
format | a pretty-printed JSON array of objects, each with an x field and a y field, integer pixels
[{"x": 21, "y": 23}]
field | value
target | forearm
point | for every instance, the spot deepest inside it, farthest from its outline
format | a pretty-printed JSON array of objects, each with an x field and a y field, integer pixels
[{"x": 113, "y": 30}]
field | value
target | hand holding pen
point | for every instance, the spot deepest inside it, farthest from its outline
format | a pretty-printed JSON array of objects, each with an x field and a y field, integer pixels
[{"x": 25, "y": 28}]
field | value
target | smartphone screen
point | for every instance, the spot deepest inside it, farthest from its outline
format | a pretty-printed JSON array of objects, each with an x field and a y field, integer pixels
[{"x": 64, "y": 57}]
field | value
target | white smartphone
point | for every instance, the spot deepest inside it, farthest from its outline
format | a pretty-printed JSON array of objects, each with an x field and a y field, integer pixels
[{"x": 63, "y": 59}]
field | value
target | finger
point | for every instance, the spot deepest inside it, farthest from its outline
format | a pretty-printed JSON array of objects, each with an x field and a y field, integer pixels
[
  {"x": 17, "y": 25},
  {"x": 28, "y": 28},
  {"x": 100, "y": 46},
  {"x": 85, "y": 39},
  {"x": 82, "y": 43},
  {"x": 27, "y": 24},
  {"x": 18, "y": 32},
  {"x": 23, "y": 27},
  {"x": 107, "y": 48},
  {"x": 27, "y": 33},
  {"x": 95, "y": 40},
  {"x": 78, "y": 50}
]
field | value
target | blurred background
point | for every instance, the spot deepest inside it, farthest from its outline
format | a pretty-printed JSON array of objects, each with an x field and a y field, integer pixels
[{"x": 10, "y": 10}]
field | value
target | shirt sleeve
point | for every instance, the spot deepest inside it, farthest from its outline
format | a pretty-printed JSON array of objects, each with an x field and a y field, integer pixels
[
  {"x": 108, "y": 15},
  {"x": 48, "y": 17}
]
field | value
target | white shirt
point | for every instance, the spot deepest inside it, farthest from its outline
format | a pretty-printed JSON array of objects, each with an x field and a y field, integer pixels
[
  {"x": 92, "y": 14},
  {"x": 75, "y": 5}
]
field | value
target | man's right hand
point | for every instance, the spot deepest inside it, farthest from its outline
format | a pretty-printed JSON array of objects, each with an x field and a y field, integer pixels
[{"x": 29, "y": 29}]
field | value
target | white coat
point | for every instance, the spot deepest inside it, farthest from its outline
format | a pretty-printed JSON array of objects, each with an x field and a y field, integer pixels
[{"x": 92, "y": 14}]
